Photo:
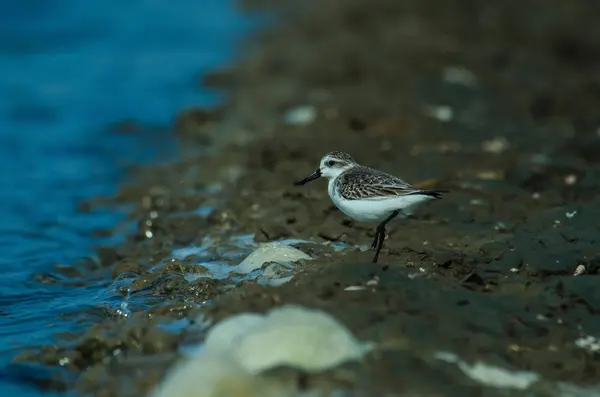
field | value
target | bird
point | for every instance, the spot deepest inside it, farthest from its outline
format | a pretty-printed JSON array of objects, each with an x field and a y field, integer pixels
[{"x": 368, "y": 195}]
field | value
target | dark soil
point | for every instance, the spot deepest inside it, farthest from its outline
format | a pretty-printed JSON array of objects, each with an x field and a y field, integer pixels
[{"x": 485, "y": 273}]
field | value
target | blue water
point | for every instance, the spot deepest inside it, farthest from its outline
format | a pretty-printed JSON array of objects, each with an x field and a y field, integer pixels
[{"x": 68, "y": 69}]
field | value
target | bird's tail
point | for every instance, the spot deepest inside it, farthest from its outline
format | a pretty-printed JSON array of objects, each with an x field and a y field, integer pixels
[{"x": 431, "y": 193}]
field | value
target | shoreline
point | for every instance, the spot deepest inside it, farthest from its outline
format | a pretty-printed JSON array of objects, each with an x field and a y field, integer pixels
[{"x": 465, "y": 100}]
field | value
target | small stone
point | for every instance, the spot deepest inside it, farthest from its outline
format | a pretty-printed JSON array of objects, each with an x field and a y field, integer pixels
[
  {"x": 570, "y": 179},
  {"x": 442, "y": 113},
  {"x": 459, "y": 75},
  {"x": 570, "y": 214},
  {"x": 300, "y": 115},
  {"x": 355, "y": 288},
  {"x": 496, "y": 145}
]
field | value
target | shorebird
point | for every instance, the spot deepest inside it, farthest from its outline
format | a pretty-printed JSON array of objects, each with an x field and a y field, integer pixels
[{"x": 368, "y": 195}]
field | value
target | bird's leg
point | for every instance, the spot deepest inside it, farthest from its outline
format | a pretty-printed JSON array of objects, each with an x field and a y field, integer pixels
[
  {"x": 375, "y": 240},
  {"x": 380, "y": 235}
]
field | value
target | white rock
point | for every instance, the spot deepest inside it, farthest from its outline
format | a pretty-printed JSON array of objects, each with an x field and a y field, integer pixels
[
  {"x": 499, "y": 377},
  {"x": 227, "y": 333},
  {"x": 302, "y": 338},
  {"x": 213, "y": 375},
  {"x": 491, "y": 375},
  {"x": 238, "y": 349},
  {"x": 301, "y": 115},
  {"x": 270, "y": 252}
]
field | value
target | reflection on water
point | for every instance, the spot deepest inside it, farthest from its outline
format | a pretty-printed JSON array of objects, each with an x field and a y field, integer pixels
[{"x": 68, "y": 69}]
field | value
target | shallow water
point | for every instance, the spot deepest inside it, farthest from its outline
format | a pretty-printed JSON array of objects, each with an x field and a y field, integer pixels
[{"x": 68, "y": 70}]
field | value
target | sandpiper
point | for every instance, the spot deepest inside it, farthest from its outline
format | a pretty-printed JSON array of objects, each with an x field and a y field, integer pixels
[{"x": 368, "y": 195}]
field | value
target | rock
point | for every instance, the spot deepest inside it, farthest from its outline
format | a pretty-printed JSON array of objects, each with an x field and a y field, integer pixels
[
  {"x": 217, "y": 376},
  {"x": 238, "y": 351},
  {"x": 270, "y": 252},
  {"x": 307, "y": 339},
  {"x": 227, "y": 332}
]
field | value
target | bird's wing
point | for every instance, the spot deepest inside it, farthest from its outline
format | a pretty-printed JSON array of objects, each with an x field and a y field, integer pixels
[{"x": 368, "y": 184}]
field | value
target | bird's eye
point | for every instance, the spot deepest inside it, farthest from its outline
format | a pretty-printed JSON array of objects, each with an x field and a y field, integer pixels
[{"x": 330, "y": 163}]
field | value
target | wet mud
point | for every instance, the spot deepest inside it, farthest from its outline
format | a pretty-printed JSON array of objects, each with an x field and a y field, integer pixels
[{"x": 495, "y": 101}]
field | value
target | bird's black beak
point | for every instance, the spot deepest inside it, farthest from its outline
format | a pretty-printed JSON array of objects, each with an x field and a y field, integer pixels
[{"x": 309, "y": 178}]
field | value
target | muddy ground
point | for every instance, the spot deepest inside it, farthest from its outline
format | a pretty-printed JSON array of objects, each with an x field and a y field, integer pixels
[{"x": 496, "y": 101}]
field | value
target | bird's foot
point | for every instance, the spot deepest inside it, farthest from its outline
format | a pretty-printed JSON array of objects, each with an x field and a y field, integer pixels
[{"x": 375, "y": 241}]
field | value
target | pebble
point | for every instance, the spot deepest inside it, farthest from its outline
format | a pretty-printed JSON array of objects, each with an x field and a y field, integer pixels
[{"x": 300, "y": 115}]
